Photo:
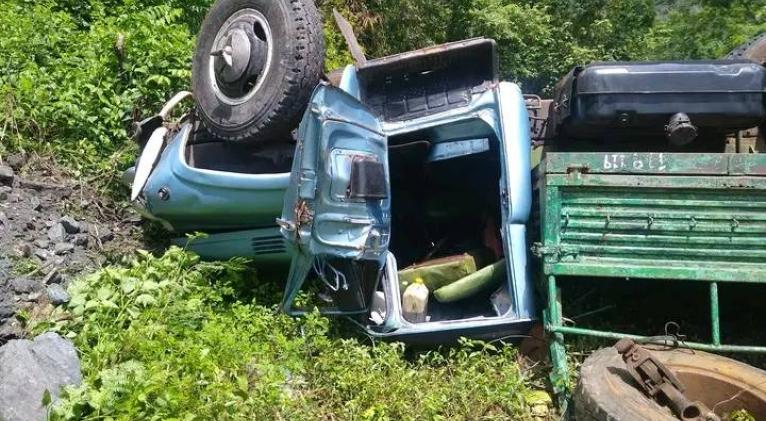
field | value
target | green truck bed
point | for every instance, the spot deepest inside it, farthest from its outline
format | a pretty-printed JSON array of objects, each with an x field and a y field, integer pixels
[
  {"x": 654, "y": 215},
  {"x": 699, "y": 217}
]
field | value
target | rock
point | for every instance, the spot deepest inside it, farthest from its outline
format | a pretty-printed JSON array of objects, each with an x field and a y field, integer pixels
[
  {"x": 4, "y": 191},
  {"x": 42, "y": 243},
  {"x": 71, "y": 226},
  {"x": 24, "y": 250},
  {"x": 80, "y": 240},
  {"x": 7, "y": 310},
  {"x": 9, "y": 330},
  {"x": 57, "y": 294},
  {"x": 16, "y": 161},
  {"x": 33, "y": 297},
  {"x": 106, "y": 235},
  {"x": 6, "y": 175},
  {"x": 57, "y": 233},
  {"x": 41, "y": 254},
  {"x": 63, "y": 248},
  {"x": 29, "y": 368},
  {"x": 35, "y": 202},
  {"x": 53, "y": 277},
  {"x": 23, "y": 286}
]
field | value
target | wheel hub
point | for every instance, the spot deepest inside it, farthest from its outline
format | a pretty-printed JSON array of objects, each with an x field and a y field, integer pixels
[{"x": 240, "y": 56}]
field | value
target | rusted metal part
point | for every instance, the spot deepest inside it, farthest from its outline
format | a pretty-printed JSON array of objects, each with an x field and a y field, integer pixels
[
  {"x": 348, "y": 34},
  {"x": 660, "y": 384},
  {"x": 754, "y": 49},
  {"x": 302, "y": 213},
  {"x": 538, "y": 117},
  {"x": 724, "y": 385}
]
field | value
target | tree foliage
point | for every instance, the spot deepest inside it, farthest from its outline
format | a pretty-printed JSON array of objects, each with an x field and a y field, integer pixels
[
  {"x": 66, "y": 89},
  {"x": 710, "y": 28}
]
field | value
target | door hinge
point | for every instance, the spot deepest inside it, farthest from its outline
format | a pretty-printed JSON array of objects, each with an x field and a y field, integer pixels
[
  {"x": 286, "y": 225},
  {"x": 307, "y": 184}
]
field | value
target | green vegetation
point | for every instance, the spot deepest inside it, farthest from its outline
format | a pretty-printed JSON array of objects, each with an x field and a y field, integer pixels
[
  {"x": 75, "y": 74},
  {"x": 740, "y": 415},
  {"x": 67, "y": 88},
  {"x": 24, "y": 266},
  {"x": 173, "y": 338}
]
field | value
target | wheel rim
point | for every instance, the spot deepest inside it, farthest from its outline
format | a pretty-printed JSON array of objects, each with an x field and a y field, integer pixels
[{"x": 241, "y": 56}]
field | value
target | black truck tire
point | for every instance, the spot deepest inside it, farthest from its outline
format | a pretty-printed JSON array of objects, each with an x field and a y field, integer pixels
[
  {"x": 606, "y": 392},
  {"x": 754, "y": 49},
  {"x": 255, "y": 66}
]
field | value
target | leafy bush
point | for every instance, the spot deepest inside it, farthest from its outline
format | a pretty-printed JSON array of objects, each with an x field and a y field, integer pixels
[
  {"x": 75, "y": 93},
  {"x": 174, "y": 338}
]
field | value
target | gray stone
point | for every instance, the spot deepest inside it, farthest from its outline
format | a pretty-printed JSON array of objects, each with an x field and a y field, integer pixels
[
  {"x": 4, "y": 191},
  {"x": 63, "y": 248},
  {"x": 6, "y": 175},
  {"x": 16, "y": 161},
  {"x": 23, "y": 285},
  {"x": 71, "y": 226},
  {"x": 11, "y": 329},
  {"x": 41, "y": 254},
  {"x": 29, "y": 368},
  {"x": 33, "y": 297},
  {"x": 36, "y": 204},
  {"x": 53, "y": 277},
  {"x": 106, "y": 236},
  {"x": 80, "y": 240},
  {"x": 24, "y": 250},
  {"x": 57, "y": 233},
  {"x": 7, "y": 310},
  {"x": 43, "y": 243},
  {"x": 57, "y": 294}
]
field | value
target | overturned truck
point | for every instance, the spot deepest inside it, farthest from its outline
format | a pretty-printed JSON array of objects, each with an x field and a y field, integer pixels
[{"x": 405, "y": 198}]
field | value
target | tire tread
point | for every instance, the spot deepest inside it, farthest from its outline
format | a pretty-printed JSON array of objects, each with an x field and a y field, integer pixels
[{"x": 302, "y": 75}]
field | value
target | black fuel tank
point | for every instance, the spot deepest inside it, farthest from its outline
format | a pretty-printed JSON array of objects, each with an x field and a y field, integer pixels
[{"x": 612, "y": 98}]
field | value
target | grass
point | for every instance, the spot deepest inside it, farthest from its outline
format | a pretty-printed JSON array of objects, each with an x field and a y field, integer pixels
[
  {"x": 174, "y": 338},
  {"x": 24, "y": 266}
]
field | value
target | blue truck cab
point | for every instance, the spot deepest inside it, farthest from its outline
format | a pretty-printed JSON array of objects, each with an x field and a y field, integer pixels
[{"x": 407, "y": 159}]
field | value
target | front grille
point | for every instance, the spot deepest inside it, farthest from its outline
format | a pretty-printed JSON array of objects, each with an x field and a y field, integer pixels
[{"x": 268, "y": 245}]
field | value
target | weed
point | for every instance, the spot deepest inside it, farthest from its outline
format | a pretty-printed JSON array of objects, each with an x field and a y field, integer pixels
[
  {"x": 23, "y": 266},
  {"x": 172, "y": 337}
]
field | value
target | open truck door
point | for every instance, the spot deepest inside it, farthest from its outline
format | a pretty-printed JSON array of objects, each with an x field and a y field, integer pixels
[{"x": 336, "y": 216}]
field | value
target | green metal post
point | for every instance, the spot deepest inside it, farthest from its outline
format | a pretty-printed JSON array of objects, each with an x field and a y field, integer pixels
[
  {"x": 559, "y": 373},
  {"x": 714, "y": 315}
]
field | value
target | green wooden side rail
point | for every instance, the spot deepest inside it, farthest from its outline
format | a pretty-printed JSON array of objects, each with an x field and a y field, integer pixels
[{"x": 698, "y": 217}]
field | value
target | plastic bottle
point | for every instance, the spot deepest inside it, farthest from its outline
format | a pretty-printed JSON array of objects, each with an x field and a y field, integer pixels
[{"x": 415, "y": 302}]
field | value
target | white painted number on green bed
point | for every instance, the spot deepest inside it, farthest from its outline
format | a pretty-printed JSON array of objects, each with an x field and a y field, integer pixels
[{"x": 634, "y": 162}]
